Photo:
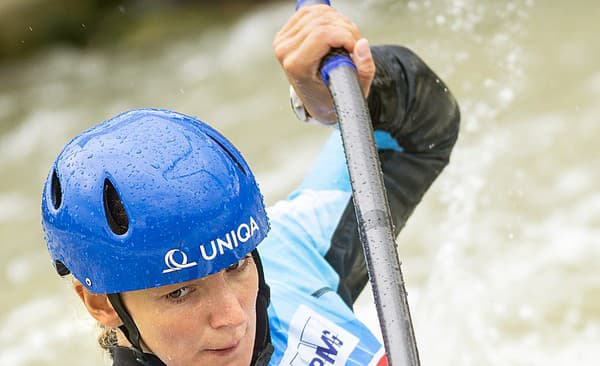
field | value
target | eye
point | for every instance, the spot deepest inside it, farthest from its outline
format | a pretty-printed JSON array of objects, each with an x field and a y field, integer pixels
[
  {"x": 239, "y": 265},
  {"x": 179, "y": 294}
]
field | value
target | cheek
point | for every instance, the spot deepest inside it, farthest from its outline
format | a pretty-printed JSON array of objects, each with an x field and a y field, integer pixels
[
  {"x": 172, "y": 335},
  {"x": 249, "y": 305},
  {"x": 247, "y": 293},
  {"x": 251, "y": 294}
]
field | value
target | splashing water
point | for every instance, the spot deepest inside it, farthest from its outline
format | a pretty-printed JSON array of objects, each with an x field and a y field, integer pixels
[{"x": 501, "y": 257}]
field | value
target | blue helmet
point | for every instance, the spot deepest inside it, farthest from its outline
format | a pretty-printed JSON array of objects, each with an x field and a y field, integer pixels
[{"x": 150, "y": 198}]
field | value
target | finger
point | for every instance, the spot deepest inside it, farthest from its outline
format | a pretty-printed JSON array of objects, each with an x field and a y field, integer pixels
[
  {"x": 311, "y": 20},
  {"x": 286, "y": 42},
  {"x": 302, "y": 14},
  {"x": 365, "y": 65},
  {"x": 307, "y": 56},
  {"x": 299, "y": 21},
  {"x": 322, "y": 37}
]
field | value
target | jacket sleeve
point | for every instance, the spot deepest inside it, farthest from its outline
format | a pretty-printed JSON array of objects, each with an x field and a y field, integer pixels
[{"x": 415, "y": 107}]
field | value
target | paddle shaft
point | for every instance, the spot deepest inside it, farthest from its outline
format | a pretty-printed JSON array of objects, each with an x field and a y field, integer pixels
[{"x": 371, "y": 206}]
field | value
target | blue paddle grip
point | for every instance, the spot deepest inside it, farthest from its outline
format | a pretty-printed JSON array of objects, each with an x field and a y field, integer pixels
[
  {"x": 332, "y": 62},
  {"x": 301, "y": 3},
  {"x": 336, "y": 58}
]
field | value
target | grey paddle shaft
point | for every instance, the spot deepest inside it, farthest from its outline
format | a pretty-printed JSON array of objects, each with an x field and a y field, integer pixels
[
  {"x": 374, "y": 220},
  {"x": 371, "y": 205}
]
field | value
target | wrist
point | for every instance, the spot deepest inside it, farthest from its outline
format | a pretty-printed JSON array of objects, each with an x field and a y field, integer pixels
[{"x": 302, "y": 113}]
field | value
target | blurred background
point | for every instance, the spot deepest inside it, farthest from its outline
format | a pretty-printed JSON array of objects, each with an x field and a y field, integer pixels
[{"x": 502, "y": 257}]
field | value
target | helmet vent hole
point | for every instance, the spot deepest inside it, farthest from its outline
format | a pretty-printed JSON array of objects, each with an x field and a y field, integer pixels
[
  {"x": 55, "y": 191},
  {"x": 231, "y": 156},
  {"x": 61, "y": 268},
  {"x": 116, "y": 216}
]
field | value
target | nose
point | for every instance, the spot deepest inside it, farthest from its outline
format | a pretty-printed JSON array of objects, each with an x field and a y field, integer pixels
[{"x": 225, "y": 305}]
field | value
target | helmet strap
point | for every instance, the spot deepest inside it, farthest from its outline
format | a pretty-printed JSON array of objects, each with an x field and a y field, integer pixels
[
  {"x": 263, "y": 349},
  {"x": 129, "y": 329}
]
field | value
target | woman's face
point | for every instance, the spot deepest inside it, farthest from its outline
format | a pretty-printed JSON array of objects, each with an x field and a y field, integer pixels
[{"x": 209, "y": 321}]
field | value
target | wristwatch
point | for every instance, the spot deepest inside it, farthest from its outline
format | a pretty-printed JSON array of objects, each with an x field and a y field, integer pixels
[{"x": 301, "y": 112}]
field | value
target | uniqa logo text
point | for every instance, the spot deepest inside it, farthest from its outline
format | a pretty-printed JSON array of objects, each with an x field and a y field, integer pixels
[
  {"x": 177, "y": 260},
  {"x": 232, "y": 240}
]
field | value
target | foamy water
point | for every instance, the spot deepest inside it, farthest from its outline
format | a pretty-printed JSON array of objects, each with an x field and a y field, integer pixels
[{"x": 500, "y": 259}]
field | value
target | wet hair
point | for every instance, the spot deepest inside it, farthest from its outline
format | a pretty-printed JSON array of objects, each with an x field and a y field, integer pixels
[{"x": 107, "y": 338}]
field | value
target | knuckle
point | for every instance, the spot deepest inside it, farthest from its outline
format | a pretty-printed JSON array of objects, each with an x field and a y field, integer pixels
[
  {"x": 279, "y": 52},
  {"x": 321, "y": 32},
  {"x": 291, "y": 65}
]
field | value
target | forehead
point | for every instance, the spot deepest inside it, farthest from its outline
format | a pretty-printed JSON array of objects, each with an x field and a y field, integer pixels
[
  {"x": 161, "y": 290},
  {"x": 206, "y": 281}
]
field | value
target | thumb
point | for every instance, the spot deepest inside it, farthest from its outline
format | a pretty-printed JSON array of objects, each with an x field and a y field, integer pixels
[{"x": 363, "y": 59}]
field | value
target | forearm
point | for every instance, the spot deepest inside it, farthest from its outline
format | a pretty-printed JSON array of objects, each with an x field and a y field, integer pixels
[
  {"x": 412, "y": 104},
  {"x": 409, "y": 101}
]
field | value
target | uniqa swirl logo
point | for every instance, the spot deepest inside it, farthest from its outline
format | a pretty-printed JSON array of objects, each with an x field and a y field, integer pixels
[{"x": 172, "y": 262}]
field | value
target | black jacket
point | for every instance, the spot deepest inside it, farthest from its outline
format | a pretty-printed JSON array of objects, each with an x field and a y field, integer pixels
[{"x": 409, "y": 101}]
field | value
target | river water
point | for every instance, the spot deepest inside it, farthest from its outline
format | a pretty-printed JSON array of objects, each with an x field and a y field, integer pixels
[{"x": 501, "y": 258}]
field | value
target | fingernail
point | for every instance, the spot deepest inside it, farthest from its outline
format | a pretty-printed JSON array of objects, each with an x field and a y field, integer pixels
[{"x": 363, "y": 51}]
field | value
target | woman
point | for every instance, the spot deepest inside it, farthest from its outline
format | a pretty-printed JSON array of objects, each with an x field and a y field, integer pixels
[{"x": 158, "y": 217}]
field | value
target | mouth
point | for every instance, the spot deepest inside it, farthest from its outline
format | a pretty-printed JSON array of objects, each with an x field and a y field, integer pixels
[{"x": 226, "y": 349}]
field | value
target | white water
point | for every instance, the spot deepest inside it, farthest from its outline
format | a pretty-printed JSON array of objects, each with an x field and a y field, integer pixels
[{"x": 501, "y": 259}]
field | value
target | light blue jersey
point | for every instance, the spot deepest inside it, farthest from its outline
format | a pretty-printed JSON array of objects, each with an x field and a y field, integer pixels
[{"x": 310, "y": 323}]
